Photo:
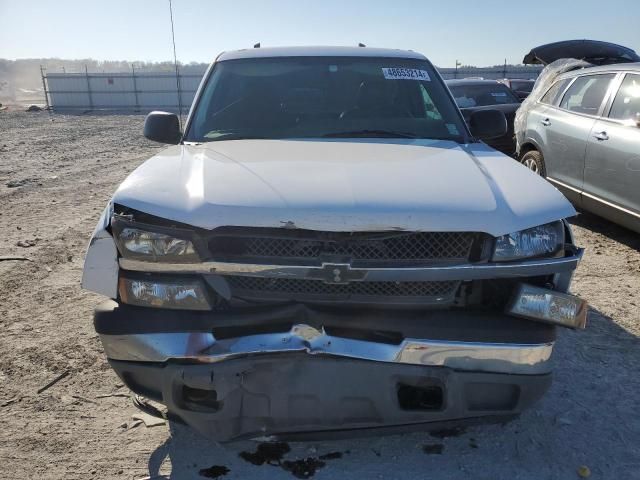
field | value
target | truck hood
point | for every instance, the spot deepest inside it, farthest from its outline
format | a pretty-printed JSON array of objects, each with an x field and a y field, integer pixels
[{"x": 343, "y": 185}]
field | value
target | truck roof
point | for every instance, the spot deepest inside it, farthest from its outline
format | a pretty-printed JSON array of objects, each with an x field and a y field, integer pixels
[{"x": 318, "y": 52}]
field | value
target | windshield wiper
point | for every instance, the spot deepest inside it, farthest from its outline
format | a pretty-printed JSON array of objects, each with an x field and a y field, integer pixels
[
  {"x": 233, "y": 136},
  {"x": 370, "y": 133}
]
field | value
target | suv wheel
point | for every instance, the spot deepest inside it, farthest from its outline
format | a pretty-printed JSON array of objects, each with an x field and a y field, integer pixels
[{"x": 533, "y": 161}]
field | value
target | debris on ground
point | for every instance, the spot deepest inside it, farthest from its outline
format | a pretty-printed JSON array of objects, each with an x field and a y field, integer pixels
[
  {"x": 12, "y": 258},
  {"x": 54, "y": 381},
  {"x": 270, "y": 453},
  {"x": 215, "y": 471},
  {"x": 6, "y": 403},
  {"x": 107, "y": 395},
  {"x": 83, "y": 399},
  {"x": 17, "y": 183},
  {"x": 34, "y": 108},
  {"x": 134, "y": 424},
  {"x": 584, "y": 472},
  {"x": 274, "y": 452},
  {"x": 26, "y": 243},
  {"x": 148, "y": 420},
  {"x": 303, "y": 468}
]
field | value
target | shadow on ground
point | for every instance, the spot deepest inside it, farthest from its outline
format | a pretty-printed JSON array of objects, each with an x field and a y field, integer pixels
[{"x": 609, "y": 229}]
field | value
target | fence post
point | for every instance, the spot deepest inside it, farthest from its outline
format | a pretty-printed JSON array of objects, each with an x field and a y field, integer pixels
[
  {"x": 135, "y": 87},
  {"x": 44, "y": 88},
  {"x": 86, "y": 74}
]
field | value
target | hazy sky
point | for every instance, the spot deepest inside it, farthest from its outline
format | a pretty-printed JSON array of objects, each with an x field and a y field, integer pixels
[{"x": 477, "y": 32}]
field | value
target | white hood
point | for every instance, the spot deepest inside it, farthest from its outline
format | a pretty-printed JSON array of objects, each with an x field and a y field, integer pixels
[{"x": 343, "y": 185}]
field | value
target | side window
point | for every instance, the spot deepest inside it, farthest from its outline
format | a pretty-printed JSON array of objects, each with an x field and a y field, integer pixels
[
  {"x": 626, "y": 105},
  {"x": 585, "y": 95},
  {"x": 551, "y": 97}
]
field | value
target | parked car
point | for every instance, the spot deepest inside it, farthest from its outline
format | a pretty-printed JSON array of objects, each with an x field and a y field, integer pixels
[
  {"x": 327, "y": 246},
  {"x": 475, "y": 95},
  {"x": 522, "y": 88},
  {"x": 583, "y": 134}
]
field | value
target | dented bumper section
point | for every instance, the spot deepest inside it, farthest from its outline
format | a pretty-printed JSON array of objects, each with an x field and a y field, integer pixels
[
  {"x": 316, "y": 397},
  {"x": 296, "y": 370}
]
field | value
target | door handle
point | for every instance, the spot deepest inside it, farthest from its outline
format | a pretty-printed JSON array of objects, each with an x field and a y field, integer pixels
[
  {"x": 601, "y": 136},
  {"x": 546, "y": 122}
]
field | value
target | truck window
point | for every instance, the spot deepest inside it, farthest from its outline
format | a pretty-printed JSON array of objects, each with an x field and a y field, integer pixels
[{"x": 312, "y": 97}]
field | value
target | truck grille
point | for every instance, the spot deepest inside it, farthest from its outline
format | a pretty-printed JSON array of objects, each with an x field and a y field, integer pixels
[
  {"x": 307, "y": 247},
  {"x": 296, "y": 289}
]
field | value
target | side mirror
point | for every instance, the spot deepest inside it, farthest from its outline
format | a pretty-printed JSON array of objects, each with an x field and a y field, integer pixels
[
  {"x": 162, "y": 127},
  {"x": 488, "y": 124}
]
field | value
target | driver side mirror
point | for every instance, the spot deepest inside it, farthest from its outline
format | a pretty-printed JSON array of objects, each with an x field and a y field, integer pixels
[
  {"x": 163, "y": 127},
  {"x": 488, "y": 124}
]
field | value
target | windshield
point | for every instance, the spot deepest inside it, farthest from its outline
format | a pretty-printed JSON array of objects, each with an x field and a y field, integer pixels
[
  {"x": 483, "y": 95},
  {"x": 311, "y": 97}
]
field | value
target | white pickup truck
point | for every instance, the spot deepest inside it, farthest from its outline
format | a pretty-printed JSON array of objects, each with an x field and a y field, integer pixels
[{"x": 327, "y": 246}]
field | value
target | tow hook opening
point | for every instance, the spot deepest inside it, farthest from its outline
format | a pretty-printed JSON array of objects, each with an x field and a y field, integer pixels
[
  {"x": 198, "y": 399},
  {"x": 411, "y": 397}
]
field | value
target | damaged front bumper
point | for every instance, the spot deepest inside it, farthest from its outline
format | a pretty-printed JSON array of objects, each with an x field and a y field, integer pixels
[{"x": 299, "y": 370}]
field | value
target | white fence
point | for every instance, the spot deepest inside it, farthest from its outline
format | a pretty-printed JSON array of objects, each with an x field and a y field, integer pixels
[
  {"x": 138, "y": 91},
  {"x": 120, "y": 91}
]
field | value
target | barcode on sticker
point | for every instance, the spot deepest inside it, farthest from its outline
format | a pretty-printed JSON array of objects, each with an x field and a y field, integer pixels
[{"x": 405, "y": 74}]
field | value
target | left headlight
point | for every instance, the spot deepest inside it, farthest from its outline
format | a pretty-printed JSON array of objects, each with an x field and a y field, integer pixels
[
  {"x": 154, "y": 246},
  {"x": 542, "y": 241}
]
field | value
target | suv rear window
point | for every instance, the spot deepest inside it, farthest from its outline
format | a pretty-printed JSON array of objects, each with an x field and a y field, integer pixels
[
  {"x": 585, "y": 95},
  {"x": 482, "y": 95}
]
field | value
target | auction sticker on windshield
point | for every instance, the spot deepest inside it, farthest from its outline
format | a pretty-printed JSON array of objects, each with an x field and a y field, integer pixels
[{"x": 391, "y": 73}]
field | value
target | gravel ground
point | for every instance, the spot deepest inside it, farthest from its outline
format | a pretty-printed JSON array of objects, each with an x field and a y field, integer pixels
[{"x": 57, "y": 173}]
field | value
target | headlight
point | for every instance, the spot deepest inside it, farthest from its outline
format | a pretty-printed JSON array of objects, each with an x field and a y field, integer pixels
[
  {"x": 549, "y": 306},
  {"x": 154, "y": 246},
  {"x": 545, "y": 240},
  {"x": 183, "y": 294}
]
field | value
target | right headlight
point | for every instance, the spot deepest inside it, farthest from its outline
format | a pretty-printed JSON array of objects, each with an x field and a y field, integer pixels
[
  {"x": 542, "y": 241},
  {"x": 146, "y": 244}
]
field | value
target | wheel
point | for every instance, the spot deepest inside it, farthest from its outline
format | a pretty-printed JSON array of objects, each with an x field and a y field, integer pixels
[{"x": 533, "y": 161}]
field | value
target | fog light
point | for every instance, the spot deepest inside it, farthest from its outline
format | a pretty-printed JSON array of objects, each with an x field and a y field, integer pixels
[
  {"x": 548, "y": 306},
  {"x": 187, "y": 294}
]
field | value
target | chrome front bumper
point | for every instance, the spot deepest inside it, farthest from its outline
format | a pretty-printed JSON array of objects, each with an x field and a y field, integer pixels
[
  {"x": 525, "y": 268},
  {"x": 204, "y": 348}
]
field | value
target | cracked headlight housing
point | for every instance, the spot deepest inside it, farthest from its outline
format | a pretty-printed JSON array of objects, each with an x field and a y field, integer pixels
[
  {"x": 142, "y": 244},
  {"x": 542, "y": 241}
]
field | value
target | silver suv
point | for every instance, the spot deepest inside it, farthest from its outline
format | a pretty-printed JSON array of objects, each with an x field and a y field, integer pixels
[{"x": 583, "y": 135}]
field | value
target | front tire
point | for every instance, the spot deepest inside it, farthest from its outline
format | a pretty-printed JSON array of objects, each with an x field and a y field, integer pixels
[{"x": 534, "y": 161}]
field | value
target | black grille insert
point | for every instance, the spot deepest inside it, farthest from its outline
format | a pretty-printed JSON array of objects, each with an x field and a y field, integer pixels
[
  {"x": 359, "y": 248},
  {"x": 290, "y": 288}
]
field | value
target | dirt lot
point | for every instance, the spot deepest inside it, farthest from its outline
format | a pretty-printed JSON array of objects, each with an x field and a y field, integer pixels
[{"x": 57, "y": 173}]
